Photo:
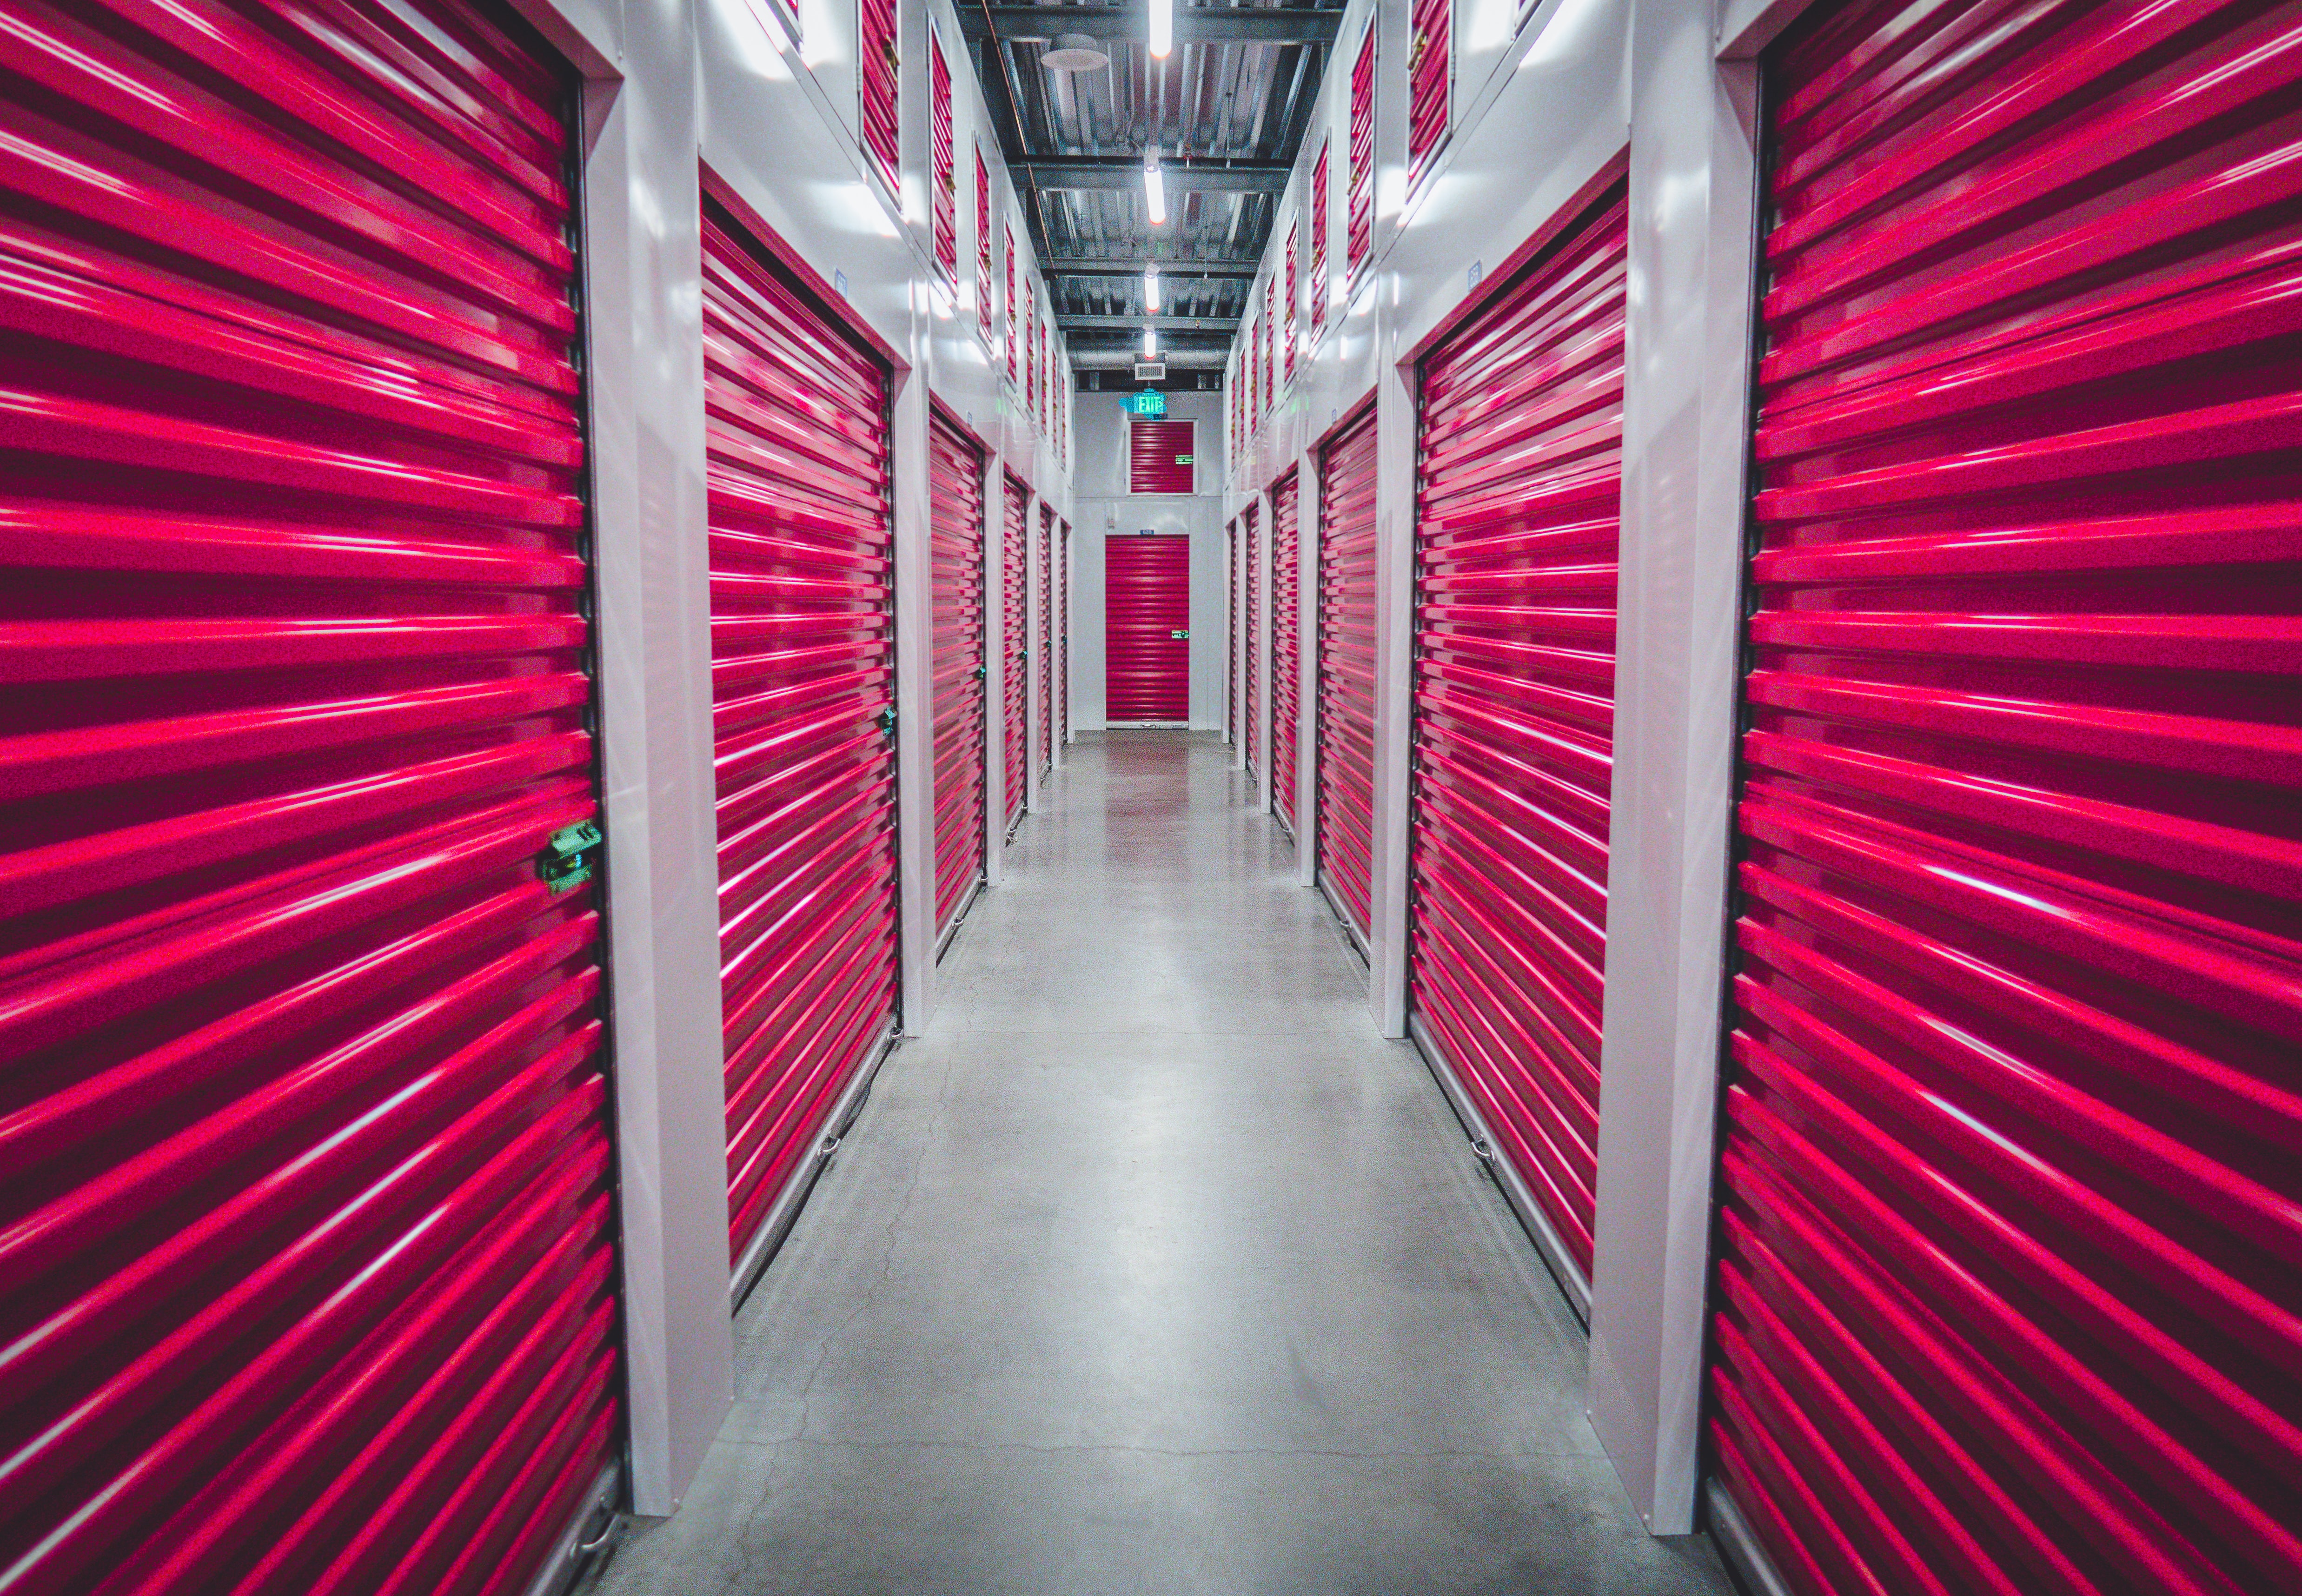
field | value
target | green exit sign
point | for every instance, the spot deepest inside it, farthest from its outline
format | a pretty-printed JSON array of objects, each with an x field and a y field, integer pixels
[{"x": 1153, "y": 403}]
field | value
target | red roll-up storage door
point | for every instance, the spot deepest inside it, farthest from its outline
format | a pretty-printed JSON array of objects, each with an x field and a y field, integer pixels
[
  {"x": 1046, "y": 638},
  {"x": 1161, "y": 456},
  {"x": 1230, "y": 632},
  {"x": 878, "y": 79},
  {"x": 1063, "y": 634},
  {"x": 1358, "y": 179},
  {"x": 1146, "y": 608},
  {"x": 943, "y": 164},
  {"x": 803, "y": 691},
  {"x": 307, "y": 1265},
  {"x": 1286, "y": 658},
  {"x": 2009, "y": 1239},
  {"x": 1248, "y": 520},
  {"x": 1519, "y": 493},
  {"x": 1014, "y": 575},
  {"x": 1346, "y": 836},
  {"x": 961, "y": 726}
]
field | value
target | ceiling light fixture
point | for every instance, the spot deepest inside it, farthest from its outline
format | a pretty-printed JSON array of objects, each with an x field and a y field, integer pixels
[
  {"x": 1154, "y": 187},
  {"x": 1151, "y": 289},
  {"x": 1163, "y": 28},
  {"x": 1075, "y": 53}
]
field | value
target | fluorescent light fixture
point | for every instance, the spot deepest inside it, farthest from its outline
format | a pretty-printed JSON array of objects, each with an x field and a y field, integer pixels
[
  {"x": 1150, "y": 341},
  {"x": 1154, "y": 189},
  {"x": 1151, "y": 289},
  {"x": 1163, "y": 28}
]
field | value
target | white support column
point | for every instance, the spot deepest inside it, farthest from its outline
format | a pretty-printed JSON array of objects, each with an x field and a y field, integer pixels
[
  {"x": 1308, "y": 489},
  {"x": 642, "y": 264},
  {"x": 995, "y": 671},
  {"x": 1693, "y": 211},
  {"x": 1394, "y": 684},
  {"x": 914, "y": 578}
]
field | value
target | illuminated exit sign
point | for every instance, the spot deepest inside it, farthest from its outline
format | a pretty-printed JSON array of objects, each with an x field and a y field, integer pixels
[{"x": 1154, "y": 403}]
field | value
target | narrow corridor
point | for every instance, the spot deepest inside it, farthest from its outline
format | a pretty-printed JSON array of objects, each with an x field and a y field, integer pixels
[{"x": 1153, "y": 1269}]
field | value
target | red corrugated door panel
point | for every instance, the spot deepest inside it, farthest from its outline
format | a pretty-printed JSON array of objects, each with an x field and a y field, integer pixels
[
  {"x": 1014, "y": 589},
  {"x": 2009, "y": 1240},
  {"x": 1517, "y": 495},
  {"x": 1346, "y": 838},
  {"x": 306, "y": 1266},
  {"x": 803, "y": 699},
  {"x": 1159, "y": 457},
  {"x": 956, "y": 527},
  {"x": 879, "y": 72},
  {"x": 1359, "y": 191},
  {"x": 1293, "y": 302},
  {"x": 1430, "y": 78},
  {"x": 1320, "y": 288},
  {"x": 944, "y": 164},
  {"x": 1146, "y": 595},
  {"x": 1231, "y": 631},
  {"x": 1063, "y": 634},
  {"x": 1014, "y": 337},
  {"x": 1249, "y": 524},
  {"x": 986, "y": 295},
  {"x": 1046, "y": 638},
  {"x": 1286, "y": 658}
]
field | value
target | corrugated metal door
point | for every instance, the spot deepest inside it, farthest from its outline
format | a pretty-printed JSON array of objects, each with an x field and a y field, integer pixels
[
  {"x": 1430, "y": 78},
  {"x": 1319, "y": 286},
  {"x": 2010, "y": 1239},
  {"x": 1358, "y": 186},
  {"x": 878, "y": 78},
  {"x": 961, "y": 724},
  {"x": 1161, "y": 456},
  {"x": 1046, "y": 638},
  {"x": 1286, "y": 657},
  {"x": 1518, "y": 496},
  {"x": 1230, "y": 632},
  {"x": 1249, "y": 521},
  {"x": 1015, "y": 669},
  {"x": 1062, "y": 636},
  {"x": 1346, "y": 838},
  {"x": 943, "y": 164},
  {"x": 1146, "y": 607},
  {"x": 307, "y": 1261},
  {"x": 802, "y": 708}
]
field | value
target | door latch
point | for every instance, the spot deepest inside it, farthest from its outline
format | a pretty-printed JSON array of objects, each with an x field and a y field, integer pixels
[
  {"x": 1181, "y": 631},
  {"x": 569, "y": 856},
  {"x": 888, "y": 720}
]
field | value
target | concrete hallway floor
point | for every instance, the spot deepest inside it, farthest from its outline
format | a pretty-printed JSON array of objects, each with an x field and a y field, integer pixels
[{"x": 1152, "y": 1269}]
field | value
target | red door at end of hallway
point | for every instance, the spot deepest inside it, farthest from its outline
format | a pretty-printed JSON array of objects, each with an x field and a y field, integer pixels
[
  {"x": 1345, "y": 842},
  {"x": 1517, "y": 501},
  {"x": 1015, "y": 644},
  {"x": 1147, "y": 609},
  {"x": 802, "y": 690},
  {"x": 2007, "y": 1291},
  {"x": 1286, "y": 645},
  {"x": 955, "y": 465},
  {"x": 307, "y": 1266}
]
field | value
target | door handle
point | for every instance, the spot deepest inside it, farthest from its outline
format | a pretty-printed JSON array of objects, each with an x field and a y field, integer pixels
[{"x": 1183, "y": 632}]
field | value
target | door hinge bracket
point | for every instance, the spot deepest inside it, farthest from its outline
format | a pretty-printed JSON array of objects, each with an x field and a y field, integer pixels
[{"x": 569, "y": 856}]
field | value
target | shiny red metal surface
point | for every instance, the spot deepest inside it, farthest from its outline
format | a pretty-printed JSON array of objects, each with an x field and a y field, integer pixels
[
  {"x": 1346, "y": 835},
  {"x": 1250, "y": 529},
  {"x": 2010, "y": 1218},
  {"x": 943, "y": 164},
  {"x": 1517, "y": 496},
  {"x": 1014, "y": 591},
  {"x": 878, "y": 74},
  {"x": 802, "y": 708},
  {"x": 1030, "y": 334},
  {"x": 1161, "y": 456},
  {"x": 1274, "y": 334},
  {"x": 1063, "y": 633},
  {"x": 1293, "y": 302},
  {"x": 1359, "y": 191},
  {"x": 986, "y": 303},
  {"x": 1230, "y": 633},
  {"x": 1430, "y": 80},
  {"x": 1286, "y": 644},
  {"x": 1255, "y": 385},
  {"x": 1014, "y": 337},
  {"x": 306, "y": 1204},
  {"x": 1046, "y": 732},
  {"x": 955, "y": 465},
  {"x": 1146, "y": 607},
  {"x": 1318, "y": 205}
]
